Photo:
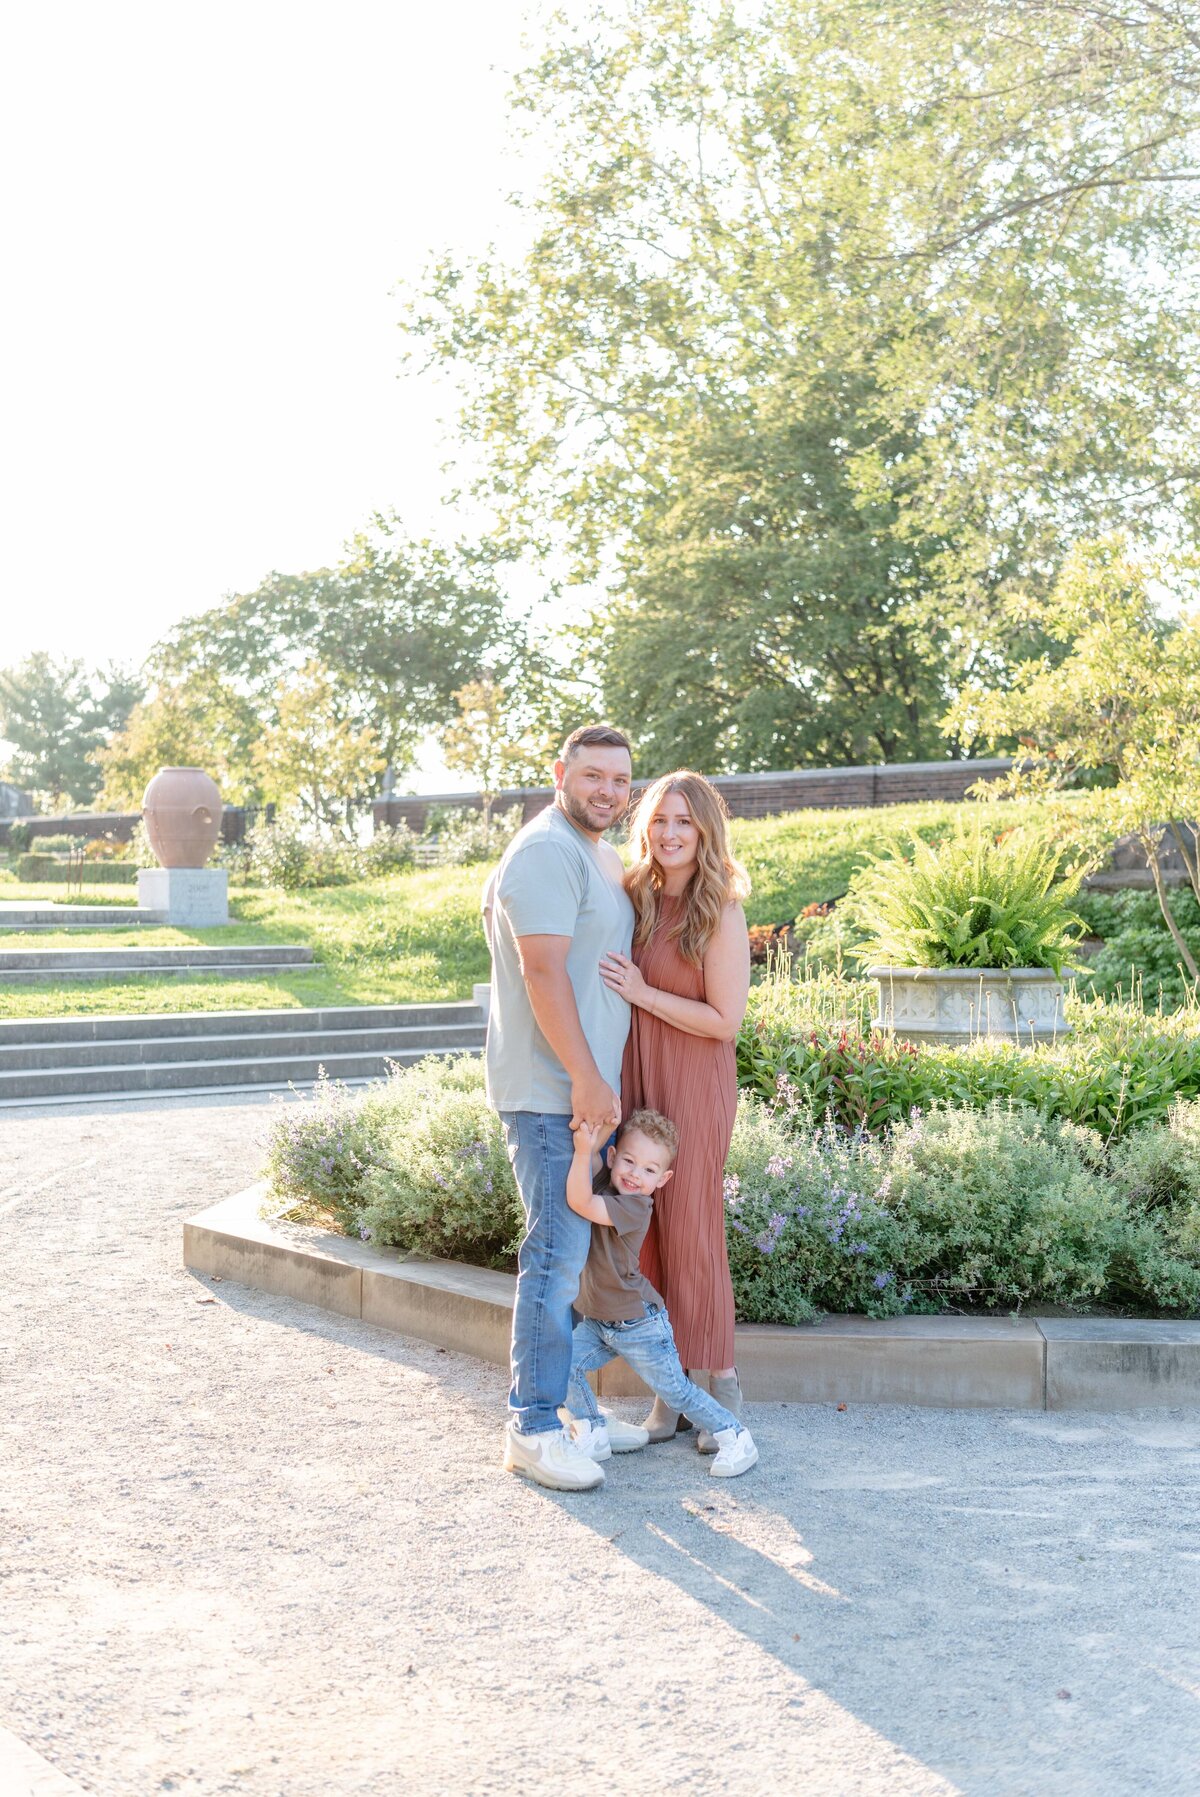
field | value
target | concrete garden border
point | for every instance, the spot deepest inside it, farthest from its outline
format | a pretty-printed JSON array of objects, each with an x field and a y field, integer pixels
[{"x": 1067, "y": 1363}]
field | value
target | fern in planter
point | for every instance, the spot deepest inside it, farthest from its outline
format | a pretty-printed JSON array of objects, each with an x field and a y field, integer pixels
[{"x": 971, "y": 901}]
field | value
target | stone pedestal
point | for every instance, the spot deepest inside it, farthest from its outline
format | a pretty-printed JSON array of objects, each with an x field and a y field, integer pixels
[
  {"x": 959, "y": 1004},
  {"x": 193, "y": 897}
]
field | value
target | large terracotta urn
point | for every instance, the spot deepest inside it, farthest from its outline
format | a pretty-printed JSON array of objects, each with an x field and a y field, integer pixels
[{"x": 182, "y": 809}]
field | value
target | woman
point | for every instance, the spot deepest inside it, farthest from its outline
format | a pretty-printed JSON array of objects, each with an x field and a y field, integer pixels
[{"x": 688, "y": 983}]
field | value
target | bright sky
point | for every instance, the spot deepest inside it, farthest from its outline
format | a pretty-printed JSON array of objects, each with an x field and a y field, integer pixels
[{"x": 206, "y": 210}]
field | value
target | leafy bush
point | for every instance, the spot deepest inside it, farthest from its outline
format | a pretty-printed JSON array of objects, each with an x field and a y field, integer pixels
[
  {"x": 986, "y": 1208},
  {"x": 20, "y": 835},
  {"x": 391, "y": 848},
  {"x": 1137, "y": 958},
  {"x": 60, "y": 844},
  {"x": 804, "y": 1224},
  {"x": 320, "y": 1151},
  {"x": 1117, "y": 1070},
  {"x": 418, "y": 1162},
  {"x": 37, "y": 867},
  {"x": 458, "y": 836},
  {"x": 282, "y": 854},
  {"x": 971, "y": 902}
]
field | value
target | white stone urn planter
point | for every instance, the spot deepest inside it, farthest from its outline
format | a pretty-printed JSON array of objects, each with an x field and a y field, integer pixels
[{"x": 959, "y": 1004}]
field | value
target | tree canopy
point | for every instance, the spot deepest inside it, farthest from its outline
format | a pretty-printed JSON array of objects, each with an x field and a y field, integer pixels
[
  {"x": 56, "y": 714},
  {"x": 836, "y": 324}
]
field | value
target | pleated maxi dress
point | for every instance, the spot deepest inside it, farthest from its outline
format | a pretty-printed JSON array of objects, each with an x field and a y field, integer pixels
[{"x": 693, "y": 1081}]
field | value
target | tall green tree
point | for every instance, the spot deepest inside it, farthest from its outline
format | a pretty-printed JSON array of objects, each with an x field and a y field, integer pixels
[
  {"x": 56, "y": 714},
  {"x": 836, "y": 323},
  {"x": 397, "y": 627},
  {"x": 1125, "y": 697}
]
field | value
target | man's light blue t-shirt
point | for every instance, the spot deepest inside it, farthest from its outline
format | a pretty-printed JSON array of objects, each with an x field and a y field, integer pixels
[{"x": 554, "y": 881}]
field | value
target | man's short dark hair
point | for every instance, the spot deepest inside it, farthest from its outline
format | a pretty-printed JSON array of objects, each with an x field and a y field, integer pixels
[{"x": 595, "y": 736}]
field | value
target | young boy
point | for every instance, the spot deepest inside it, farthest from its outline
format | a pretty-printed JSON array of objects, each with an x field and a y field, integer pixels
[{"x": 621, "y": 1311}]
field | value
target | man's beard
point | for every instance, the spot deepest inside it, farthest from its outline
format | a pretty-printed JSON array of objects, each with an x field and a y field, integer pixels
[{"x": 577, "y": 811}]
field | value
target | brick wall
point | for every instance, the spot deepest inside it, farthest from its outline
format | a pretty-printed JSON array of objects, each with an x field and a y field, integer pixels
[
  {"x": 754, "y": 795},
  {"x": 120, "y": 824}
]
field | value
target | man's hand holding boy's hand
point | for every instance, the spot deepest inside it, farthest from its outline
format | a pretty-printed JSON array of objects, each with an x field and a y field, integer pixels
[
  {"x": 589, "y": 1137},
  {"x": 593, "y": 1102}
]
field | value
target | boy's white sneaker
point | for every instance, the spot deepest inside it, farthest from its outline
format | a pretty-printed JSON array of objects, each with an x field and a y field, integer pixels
[
  {"x": 551, "y": 1458},
  {"x": 624, "y": 1437},
  {"x": 590, "y": 1438},
  {"x": 736, "y": 1453}
]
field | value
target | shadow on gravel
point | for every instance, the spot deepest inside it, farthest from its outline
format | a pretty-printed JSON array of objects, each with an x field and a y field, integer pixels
[
  {"x": 1016, "y": 1629},
  {"x": 1007, "y": 1599}
]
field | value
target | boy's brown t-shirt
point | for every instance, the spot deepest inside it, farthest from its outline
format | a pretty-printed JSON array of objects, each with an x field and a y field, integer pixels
[{"x": 613, "y": 1288}]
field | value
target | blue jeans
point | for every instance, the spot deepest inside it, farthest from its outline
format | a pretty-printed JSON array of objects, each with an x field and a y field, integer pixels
[
  {"x": 549, "y": 1263},
  {"x": 647, "y": 1346}
]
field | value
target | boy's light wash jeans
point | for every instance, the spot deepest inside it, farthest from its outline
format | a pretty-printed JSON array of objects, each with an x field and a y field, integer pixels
[
  {"x": 541, "y": 1148},
  {"x": 648, "y": 1347}
]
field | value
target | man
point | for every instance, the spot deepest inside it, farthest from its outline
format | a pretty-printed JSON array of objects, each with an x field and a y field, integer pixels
[{"x": 555, "y": 1039}]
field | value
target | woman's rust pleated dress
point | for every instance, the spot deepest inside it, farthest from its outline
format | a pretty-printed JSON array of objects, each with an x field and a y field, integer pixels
[{"x": 693, "y": 1081}]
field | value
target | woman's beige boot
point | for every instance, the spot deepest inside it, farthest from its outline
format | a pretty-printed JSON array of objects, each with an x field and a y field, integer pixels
[
  {"x": 727, "y": 1390},
  {"x": 662, "y": 1423}
]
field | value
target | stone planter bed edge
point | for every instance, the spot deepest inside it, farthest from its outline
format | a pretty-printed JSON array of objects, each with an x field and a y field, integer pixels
[{"x": 946, "y": 1362}]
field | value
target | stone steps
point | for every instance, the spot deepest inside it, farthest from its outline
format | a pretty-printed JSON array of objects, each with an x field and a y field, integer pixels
[
  {"x": 32, "y": 966},
  {"x": 30, "y": 918},
  {"x": 48, "y": 1061}
]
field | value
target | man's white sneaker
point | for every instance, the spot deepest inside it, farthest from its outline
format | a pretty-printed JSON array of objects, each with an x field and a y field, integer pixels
[
  {"x": 736, "y": 1453},
  {"x": 552, "y": 1459},
  {"x": 590, "y": 1438},
  {"x": 624, "y": 1437}
]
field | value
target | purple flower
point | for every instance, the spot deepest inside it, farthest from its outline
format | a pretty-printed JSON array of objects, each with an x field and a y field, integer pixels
[
  {"x": 881, "y": 1281},
  {"x": 778, "y": 1165}
]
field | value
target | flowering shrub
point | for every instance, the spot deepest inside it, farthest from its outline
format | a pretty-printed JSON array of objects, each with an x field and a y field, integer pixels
[
  {"x": 458, "y": 835},
  {"x": 319, "y": 1150},
  {"x": 807, "y": 1223},
  {"x": 418, "y": 1161},
  {"x": 1119, "y": 1069},
  {"x": 988, "y": 1207}
]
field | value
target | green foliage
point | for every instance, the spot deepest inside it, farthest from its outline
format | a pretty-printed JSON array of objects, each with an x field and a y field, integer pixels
[
  {"x": 313, "y": 757},
  {"x": 1137, "y": 957},
  {"x": 804, "y": 1226},
  {"x": 1125, "y": 696},
  {"x": 971, "y": 902},
  {"x": 809, "y": 1042},
  {"x": 817, "y": 417},
  {"x": 391, "y": 848},
  {"x": 282, "y": 853},
  {"x": 20, "y": 835},
  {"x": 38, "y": 869},
  {"x": 1003, "y": 1207},
  {"x": 418, "y": 1162},
  {"x": 56, "y": 715},
  {"x": 990, "y": 1208},
  {"x": 189, "y": 722},
  {"x": 399, "y": 626},
  {"x": 460, "y": 838},
  {"x": 59, "y": 845}
]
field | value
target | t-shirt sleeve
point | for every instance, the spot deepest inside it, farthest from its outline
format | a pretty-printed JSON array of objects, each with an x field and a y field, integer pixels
[
  {"x": 541, "y": 890},
  {"x": 630, "y": 1211}
]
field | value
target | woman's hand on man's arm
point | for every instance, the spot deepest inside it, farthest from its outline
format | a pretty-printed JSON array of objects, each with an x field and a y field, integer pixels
[
  {"x": 552, "y": 996},
  {"x": 726, "y": 984}
]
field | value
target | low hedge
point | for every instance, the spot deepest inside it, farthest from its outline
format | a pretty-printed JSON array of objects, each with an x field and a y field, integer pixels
[
  {"x": 39, "y": 869},
  {"x": 1117, "y": 1069},
  {"x": 992, "y": 1207}
]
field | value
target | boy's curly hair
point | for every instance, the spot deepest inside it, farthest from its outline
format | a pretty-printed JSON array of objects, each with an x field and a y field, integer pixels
[{"x": 653, "y": 1124}]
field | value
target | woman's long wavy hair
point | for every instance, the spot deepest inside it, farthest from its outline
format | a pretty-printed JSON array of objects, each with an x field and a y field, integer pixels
[{"x": 717, "y": 881}]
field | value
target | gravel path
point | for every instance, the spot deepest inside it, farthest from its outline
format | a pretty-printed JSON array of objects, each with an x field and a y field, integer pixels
[{"x": 250, "y": 1547}]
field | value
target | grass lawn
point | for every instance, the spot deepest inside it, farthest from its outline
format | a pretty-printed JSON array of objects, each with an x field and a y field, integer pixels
[
  {"x": 401, "y": 939},
  {"x": 415, "y": 937}
]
